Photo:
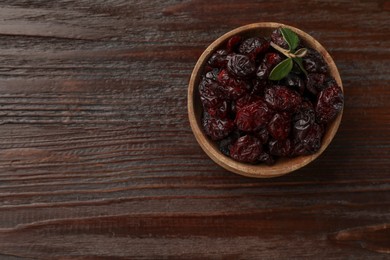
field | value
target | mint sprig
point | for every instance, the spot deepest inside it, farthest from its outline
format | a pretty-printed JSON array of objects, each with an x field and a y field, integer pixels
[
  {"x": 281, "y": 70},
  {"x": 284, "y": 67},
  {"x": 290, "y": 37}
]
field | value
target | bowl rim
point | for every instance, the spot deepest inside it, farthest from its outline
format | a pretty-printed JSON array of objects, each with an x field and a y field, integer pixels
[{"x": 283, "y": 165}]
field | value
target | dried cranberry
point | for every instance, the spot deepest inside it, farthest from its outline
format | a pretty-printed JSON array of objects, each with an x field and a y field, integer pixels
[
  {"x": 217, "y": 128},
  {"x": 315, "y": 82},
  {"x": 226, "y": 143},
  {"x": 266, "y": 158},
  {"x": 245, "y": 101},
  {"x": 262, "y": 134},
  {"x": 231, "y": 87},
  {"x": 282, "y": 98},
  {"x": 313, "y": 62},
  {"x": 329, "y": 104},
  {"x": 210, "y": 94},
  {"x": 295, "y": 82},
  {"x": 277, "y": 38},
  {"x": 212, "y": 74},
  {"x": 253, "y": 117},
  {"x": 308, "y": 141},
  {"x": 240, "y": 65},
  {"x": 220, "y": 111},
  {"x": 259, "y": 86},
  {"x": 246, "y": 149},
  {"x": 280, "y": 147},
  {"x": 303, "y": 119},
  {"x": 279, "y": 126},
  {"x": 233, "y": 43},
  {"x": 268, "y": 63},
  {"x": 218, "y": 59},
  {"x": 253, "y": 46}
]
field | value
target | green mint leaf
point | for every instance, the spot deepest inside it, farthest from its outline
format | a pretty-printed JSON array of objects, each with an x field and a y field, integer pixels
[
  {"x": 281, "y": 70},
  {"x": 290, "y": 37},
  {"x": 300, "y": 64}
]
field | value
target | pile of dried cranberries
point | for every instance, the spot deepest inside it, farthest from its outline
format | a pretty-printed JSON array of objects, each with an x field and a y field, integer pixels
[{"x": 263, "y": 100}]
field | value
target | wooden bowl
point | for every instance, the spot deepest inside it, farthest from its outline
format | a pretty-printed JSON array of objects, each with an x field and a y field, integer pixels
[{"x": 282, "y": 165}]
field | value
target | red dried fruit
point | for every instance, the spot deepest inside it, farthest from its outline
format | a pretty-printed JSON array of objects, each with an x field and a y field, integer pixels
[
  {"x": 212, "y": 74},
  {"x": 295, "y": 82},
  {"x": 253, "y": 117},
  {"x": 259, "y": 85},
  {"x": 233, "y": 43},
  {"x": 226, "y": 143},
  {"x": 245, "y": 101},
  {"x": 219, "y": 111},
  {"x": 231, "y": 87},
  {"x": 308, "y": 141},
  {"x": 282, "y": 98},
  {"x": 279, "y": 126},
  {"x": 280, "y": 147},
  {"x": 246, "y": 149},
  {"x": 315, "y": 82},
  {"x": 277, "y": 38},
  {"x": 266, "y": 158},
  {"x": 329, "y": 103},
  {"x": 313, "y": 62},
  {"x": 254, "y": 46},
  {"x": 217, "y": 128},
  {"x": 263, "y": 135},
  {"x": 240, "y": 66},
  {"x": 210, "y": 94},
  {"x": 303, "y": 119},
  {"x": 218, "y": 59}
]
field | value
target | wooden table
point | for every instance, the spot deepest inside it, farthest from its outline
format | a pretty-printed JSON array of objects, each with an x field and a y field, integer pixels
[{"x": 97, "y": 159}]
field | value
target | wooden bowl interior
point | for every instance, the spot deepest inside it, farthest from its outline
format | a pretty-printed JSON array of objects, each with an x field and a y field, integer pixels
[{"x": 283, "y": 165}]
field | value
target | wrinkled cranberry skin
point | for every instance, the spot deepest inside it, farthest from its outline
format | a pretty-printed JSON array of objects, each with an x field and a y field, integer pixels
[
  {"x": 277, "y": 38},
  {"x": 329, "y": 104},
  {"x": 253, "y": 117},
  {"x": 295, "y": 82},
  {"x": 218, "y": 59},
  {"x": 246, "y": 149},
  {"x": 241, "y": 66},
  {"x": 262, "y": 134},
  {"x": 279, "y": 126},
  {"x": 303, "y": 119},
  {"x": 245, "y": 101},
  {"x": 233, "y": 43},
  {"x": 308, "y": 141},
  {"x": 282, "y": 98},
  {"x": 253, "y": 47},
  {"x": 315, "y": 82},
  {"x": 226, "y": 143},
  {"x": 217, "y": 128},
  {"x": 210, "y": 94},
  {"x": 313, "y": 62},
  {"x": 267, "y": 158},
  {"x": 280, "y": 147},
  {"x": 219, "y": 111},
  {"x": 212, "y": 74},
  {"x": 259, "y": 86},
  {"x": 232, "y": 88},
  {"x": 269, "y": 61}
]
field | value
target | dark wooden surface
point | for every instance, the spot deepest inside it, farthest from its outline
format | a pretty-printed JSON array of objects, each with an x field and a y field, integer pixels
[{"x": 97, "y": 159}]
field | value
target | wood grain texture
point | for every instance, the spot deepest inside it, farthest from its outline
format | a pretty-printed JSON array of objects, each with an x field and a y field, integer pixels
[{"x": 97, "y": 159}]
